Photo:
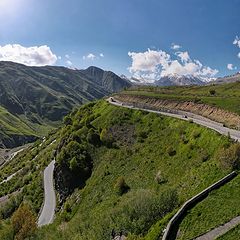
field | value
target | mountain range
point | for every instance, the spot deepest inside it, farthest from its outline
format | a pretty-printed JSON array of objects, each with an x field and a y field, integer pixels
[
  {"x": 34, "y": 99},
  {"x": 180, "y": 80},
  {"x": 228, "y": 79},
  {"x": 177, "y": 80}
]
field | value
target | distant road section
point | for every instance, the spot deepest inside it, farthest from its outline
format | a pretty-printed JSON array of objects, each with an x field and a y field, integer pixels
[
  {"x": 234, "y": 134},
  {"x": 221, "y": 230},
  {"x": 48, "y": 211}
]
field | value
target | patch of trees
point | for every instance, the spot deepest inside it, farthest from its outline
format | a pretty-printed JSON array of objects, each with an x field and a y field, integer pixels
[
  {"x": 23, "y": 222},
  {"x": 75, "y": 157}
]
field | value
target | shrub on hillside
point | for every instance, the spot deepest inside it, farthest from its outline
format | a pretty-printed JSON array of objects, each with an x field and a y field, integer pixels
[
  {"x": 160, "y": 178},
  {"x": 141, "y": 136},
  {"x": 196, "y": 134},
  {"x": 93, "y": 137},
  {"x": 171, "y": 151},
  {"x": 212, "y": 91},
  {"x": 142, "y": 208},
  {"x": 204, "y": 155},
  {"x": 23, "y": 222},
  {"x": 106, "y": 137},
  {"x": 67, "y": 120},
  {"x": 120, "y": 186},
  {"x": 230, "y": 158},
  {"x": 8, "y": 209}
]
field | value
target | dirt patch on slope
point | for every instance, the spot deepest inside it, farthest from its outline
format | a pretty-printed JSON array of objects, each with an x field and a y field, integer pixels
[
  {"x": 123, "y": 135},
  {"x": 216, "y": 114}
]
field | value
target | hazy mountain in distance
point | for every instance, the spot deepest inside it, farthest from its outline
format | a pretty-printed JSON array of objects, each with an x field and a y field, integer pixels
[{"x": 227, "y": 79}]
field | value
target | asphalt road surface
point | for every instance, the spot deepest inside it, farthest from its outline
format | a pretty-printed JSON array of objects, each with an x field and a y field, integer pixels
[
  {"x": 48, "y": 210},
  {"x": 221, "y": 230}
]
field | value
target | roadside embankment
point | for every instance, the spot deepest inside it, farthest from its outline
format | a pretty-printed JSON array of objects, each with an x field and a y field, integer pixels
[{"x": 229, "y": 119}]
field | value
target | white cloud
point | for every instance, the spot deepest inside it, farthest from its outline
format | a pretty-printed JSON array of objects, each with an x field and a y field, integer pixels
[
  {"x": 231, "y": 67},
  {"x": 148, "y": 61},
  {"x": 153, "y": 64},
  {"x": 237, "y": 41},
  {"x": 175, "y": 46},
  {"x": 101, "y": 55},
  {"x": 184, "y": 56},
  {"x": 31, "y": 56},
  {"x": 59, "y": 58},
  {"x": 90, "y": 56},
  {"x": 69, "y": 63},
  {"x": 67, "y": 56}
]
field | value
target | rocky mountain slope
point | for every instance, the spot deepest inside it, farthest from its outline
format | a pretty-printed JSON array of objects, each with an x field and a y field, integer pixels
[
  {"x": 40, "y": 96},
  {"x": 177, "y": 80},
  {"x": 227, "y": 79}
]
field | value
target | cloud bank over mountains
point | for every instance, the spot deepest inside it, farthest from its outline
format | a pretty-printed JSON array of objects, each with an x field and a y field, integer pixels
[
  {"x": 154, "y": 64},
  {"x": 31, "y": 56}
]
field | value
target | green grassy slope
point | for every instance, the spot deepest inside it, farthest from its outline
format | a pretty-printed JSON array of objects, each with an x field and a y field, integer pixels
[
  {"x": 226, "y": 96},
  {"x": 13, "y": 130},
  {"x": 158, "y": 157},
  {"x": 218, "y": 208},
  {"x": 12, "y": 124},
  {"x": 143, "y": 166}
]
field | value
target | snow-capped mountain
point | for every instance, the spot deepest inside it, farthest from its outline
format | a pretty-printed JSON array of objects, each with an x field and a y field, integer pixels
[
  {"x": 177, "y": 80},
  {"x": 138, "y": 81},
  {"x": 171, "y": 80}
]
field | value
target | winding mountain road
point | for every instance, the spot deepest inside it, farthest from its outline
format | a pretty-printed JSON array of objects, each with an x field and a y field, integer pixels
[
  {"x": 48, "y": 210},
  {"x": 234, "y": 134}
]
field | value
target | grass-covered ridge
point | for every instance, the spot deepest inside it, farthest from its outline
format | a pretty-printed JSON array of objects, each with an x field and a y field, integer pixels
[
  {"x": 143, "y": 166},
  {"x": 225, "y": 96}
]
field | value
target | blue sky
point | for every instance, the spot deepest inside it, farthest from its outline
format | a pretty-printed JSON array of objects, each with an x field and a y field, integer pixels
[{"x": 117, "y": 30}]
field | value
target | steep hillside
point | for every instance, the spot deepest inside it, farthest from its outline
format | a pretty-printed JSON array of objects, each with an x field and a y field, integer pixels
[
  {"x": 108, "y": 175},
  {"x": 41, "y": 96},
  {"x": 13, "y": 130}
]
